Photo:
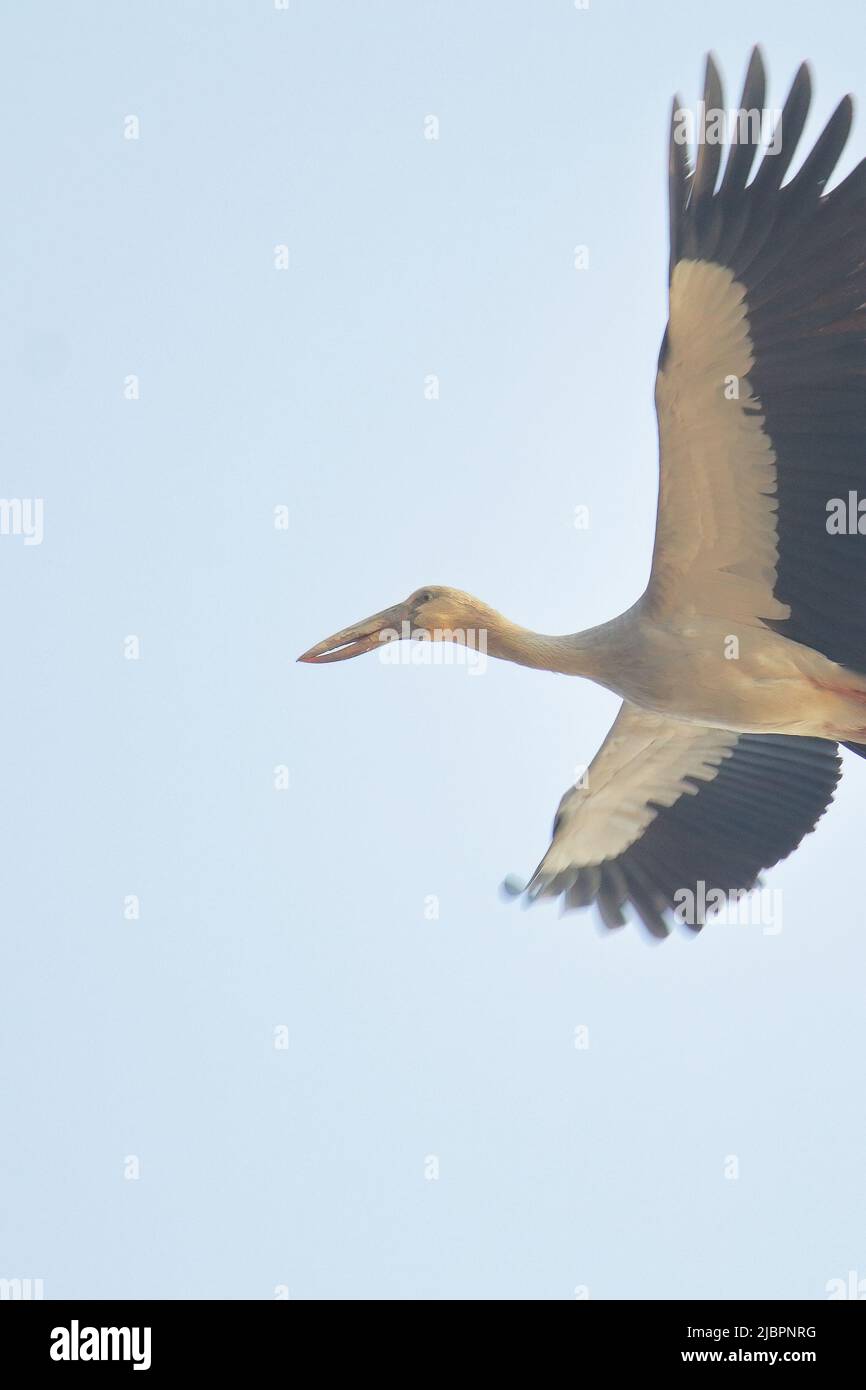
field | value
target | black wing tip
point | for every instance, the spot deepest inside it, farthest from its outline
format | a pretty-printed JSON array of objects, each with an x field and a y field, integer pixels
[
  {"x": 733, "y": 218},
  {"x": 712, "y": 73},
  {"x": 755, "y": 81},
  {"x": 657, "y": 923}
]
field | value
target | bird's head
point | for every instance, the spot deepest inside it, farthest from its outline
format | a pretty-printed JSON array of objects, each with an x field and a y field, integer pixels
[{"x": 435, "y": 612}]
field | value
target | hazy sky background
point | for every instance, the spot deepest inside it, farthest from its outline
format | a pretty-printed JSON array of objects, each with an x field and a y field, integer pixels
[{"x": 408, "y": 1038}]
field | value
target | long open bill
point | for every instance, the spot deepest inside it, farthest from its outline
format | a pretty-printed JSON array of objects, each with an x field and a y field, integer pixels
[{"x": 353, "y": 641}]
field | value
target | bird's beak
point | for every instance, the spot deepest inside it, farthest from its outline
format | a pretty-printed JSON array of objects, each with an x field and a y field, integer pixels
[{"x": 362, "y": 637}]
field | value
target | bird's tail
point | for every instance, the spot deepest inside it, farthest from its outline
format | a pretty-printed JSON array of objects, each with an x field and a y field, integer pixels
[{"x": 858, "y": 748}]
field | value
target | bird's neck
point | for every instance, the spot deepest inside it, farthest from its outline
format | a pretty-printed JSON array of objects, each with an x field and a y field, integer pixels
[{"x": 575, "y": 654}]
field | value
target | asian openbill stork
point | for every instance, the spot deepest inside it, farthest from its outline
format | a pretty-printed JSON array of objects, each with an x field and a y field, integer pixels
[{"x": 715, "y": 768}]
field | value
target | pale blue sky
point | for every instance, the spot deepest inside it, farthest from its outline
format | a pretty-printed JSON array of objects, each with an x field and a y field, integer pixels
[{"x": 305, "y": 1167}]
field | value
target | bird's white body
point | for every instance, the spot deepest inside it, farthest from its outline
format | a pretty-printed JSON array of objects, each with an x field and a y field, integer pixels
[{"x": 728, "y": 675}]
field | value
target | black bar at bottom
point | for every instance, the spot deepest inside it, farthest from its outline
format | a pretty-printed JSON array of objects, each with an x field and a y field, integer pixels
[{"x": 67, "y": 1336}]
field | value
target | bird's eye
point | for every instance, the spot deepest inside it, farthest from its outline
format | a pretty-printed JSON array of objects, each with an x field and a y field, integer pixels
[{"x": 424, "y": 596}]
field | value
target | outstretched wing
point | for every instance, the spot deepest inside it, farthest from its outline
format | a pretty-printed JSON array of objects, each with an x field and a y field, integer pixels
[
  {"x": 761, "y": 388},
  {"x": 670, "y": 808}
]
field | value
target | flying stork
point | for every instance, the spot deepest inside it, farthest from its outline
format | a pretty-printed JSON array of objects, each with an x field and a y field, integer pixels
[{"x": 715, "y": 768}]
